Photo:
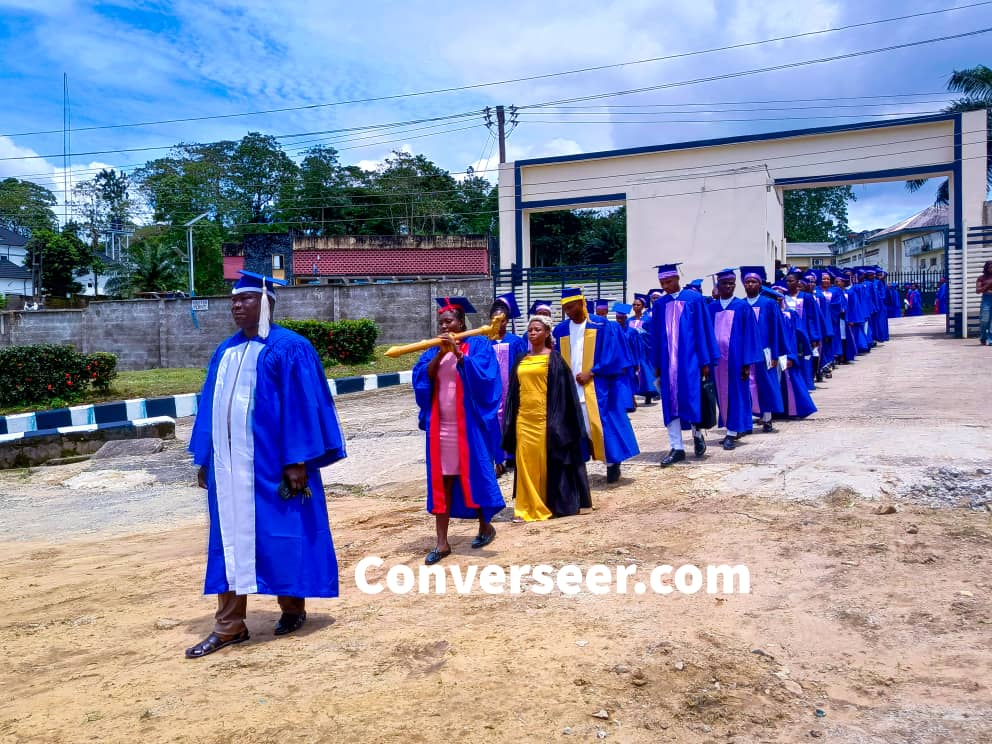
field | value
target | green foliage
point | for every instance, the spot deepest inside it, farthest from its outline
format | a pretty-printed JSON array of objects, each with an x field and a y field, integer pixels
[
  {"x": 101, "y": 367},
  {"x": 63, "y": 256},
  {"x": 338, "y": 342},
  {"x": 817, "y": 215},
  {"x": 42, "y": 372},
  {"x": 152, "y": 266},
  {"x": 25, "y": 205},
  {"x": 3, "y": 300},
  {"x": 584, "y": 236}
]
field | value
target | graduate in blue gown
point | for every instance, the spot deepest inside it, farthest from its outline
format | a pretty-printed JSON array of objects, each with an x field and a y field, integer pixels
[
  {"x": 848, "y": 344},
  {"x": 940, "y": 301},
  {"x": 457, "y": 388},
  {"x": 766, "y": 392},
  {"x": 266, "y": 424},
  {"x": 914, "y": 302},
  {"x": 833, "y": 307},
  {"x": 736, "y": 332},
  {"x": 807, "y": 322},
  {"x": 796, "y": 399},
  {"x": 893, "y": 303},
  {"x": 508, "y": 347},
  {"x": 857, "y": 312},
  {"x": 598, "y": 359},
  {"x": 683, "y": 351},
  {"x": 639, "y": 321},
  {"x": 630, "y": 337}
]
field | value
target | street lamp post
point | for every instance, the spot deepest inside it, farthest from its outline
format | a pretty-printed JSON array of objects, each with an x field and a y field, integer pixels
[{"x": 189, "y": 247}]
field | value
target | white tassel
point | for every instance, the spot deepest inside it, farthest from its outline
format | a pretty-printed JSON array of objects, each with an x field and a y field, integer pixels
[{"x": 264, "y": 315}]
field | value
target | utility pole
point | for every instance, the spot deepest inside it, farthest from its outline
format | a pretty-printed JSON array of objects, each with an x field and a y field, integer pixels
[{"x": 501, "y": 128}]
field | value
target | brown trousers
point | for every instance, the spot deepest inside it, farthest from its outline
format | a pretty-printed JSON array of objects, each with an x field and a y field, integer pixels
[{"x": 232, "y": 609}]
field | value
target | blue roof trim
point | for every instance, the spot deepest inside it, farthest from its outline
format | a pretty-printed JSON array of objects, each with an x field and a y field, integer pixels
[
  {"x": 693, "y": 144},
  {"x": 862, "y": 175},
  {"x": 573, "y": 201}
]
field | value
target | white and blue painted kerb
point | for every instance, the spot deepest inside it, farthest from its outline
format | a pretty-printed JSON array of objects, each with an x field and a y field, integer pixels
[
  {"x": 172, "y": 406},
  {"x": 84, "y": 428}
]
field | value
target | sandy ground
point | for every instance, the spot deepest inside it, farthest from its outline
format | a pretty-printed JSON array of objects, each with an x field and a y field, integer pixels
[{"x": 880, "y": 622}]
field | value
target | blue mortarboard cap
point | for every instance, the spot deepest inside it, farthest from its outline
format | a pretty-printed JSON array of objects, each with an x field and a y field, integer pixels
[
  {"x": 757, "y": 271},
  {"x": 696, "y": 284},
  {"x": 794, "y": 270},
  {"x": 252, "y": 282},
  {"x": 725, "y": 273},
  {"x": 591, "y": 307},
  {"x": 449, "y": 303},
  {"x": 623, "y": 309},
  {"x": 768, "y": 292},
  {"x": 601, "y": 303},
  {"x": 779, "y": 285},
  {"x": 511, "y": 302},
  {"x": 645, "y": 299},
  {"x": 538, "y": 305},
  {"x": 568, "y": 294},
  {"x": 667, "y": 270}
]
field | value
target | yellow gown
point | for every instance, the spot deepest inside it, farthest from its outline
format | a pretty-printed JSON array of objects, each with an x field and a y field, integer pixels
[{"x": 531, "y": 456}]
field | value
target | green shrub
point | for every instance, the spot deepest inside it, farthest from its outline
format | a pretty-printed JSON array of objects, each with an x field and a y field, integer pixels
[
  {"x": 40, "y": 373},
  {"x": 102, "y": 369},
  {"x": 338, "y": 342}
]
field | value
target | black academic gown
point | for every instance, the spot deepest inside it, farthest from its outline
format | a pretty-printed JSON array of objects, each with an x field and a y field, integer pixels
[{"x": 568, "y": 482}]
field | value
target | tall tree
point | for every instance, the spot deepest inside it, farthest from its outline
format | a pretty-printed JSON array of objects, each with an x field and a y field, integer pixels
[
  {"x": 62, "y": 256},
  {"x": 152, "y": 266},
  {"x": 259, "y": 173},
  {"x": 817, "y": 215},
  {"x": 25, "y": 206},
  {"x": 476, "y": 206},
  {"x": 976, "y": 85}
]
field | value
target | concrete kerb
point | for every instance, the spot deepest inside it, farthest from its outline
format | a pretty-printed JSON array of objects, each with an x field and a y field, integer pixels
[{"x": 172, "y": 406}]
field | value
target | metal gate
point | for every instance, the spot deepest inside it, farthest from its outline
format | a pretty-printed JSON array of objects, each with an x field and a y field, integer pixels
[
  {"x": 965, "y": 260},
  {"x": 606, "y": 281}
]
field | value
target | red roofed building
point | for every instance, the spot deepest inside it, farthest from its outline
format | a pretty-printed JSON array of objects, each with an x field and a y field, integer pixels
[{"x": 347, "y": 259}]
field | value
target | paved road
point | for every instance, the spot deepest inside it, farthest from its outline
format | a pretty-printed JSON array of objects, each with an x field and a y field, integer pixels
[{"x": 899, "y": 422}]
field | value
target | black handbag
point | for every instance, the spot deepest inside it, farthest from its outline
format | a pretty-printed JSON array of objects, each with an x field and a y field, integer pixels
[{"x": 707, "y": 404}]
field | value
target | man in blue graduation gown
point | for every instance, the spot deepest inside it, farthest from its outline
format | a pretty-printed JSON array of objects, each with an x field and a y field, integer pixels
[
  {"x": 736, "y": 333},
  {"x": 598, "y": 359},
  {"x": 630, "y": 337},
  {"x": 266, "y": 424},
  {"x": 796, "y": 399},
  {"x": 766, "y": 392},
  {"x": 683, "y": 349},
  {"x": 807, "y": 321}
]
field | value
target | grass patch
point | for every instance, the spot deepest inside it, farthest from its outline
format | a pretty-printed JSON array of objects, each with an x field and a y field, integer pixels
[{"x": 157, "y": 383}]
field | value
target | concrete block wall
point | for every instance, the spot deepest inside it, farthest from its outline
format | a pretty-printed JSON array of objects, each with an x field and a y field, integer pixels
[{"x": 148, "y": 334}]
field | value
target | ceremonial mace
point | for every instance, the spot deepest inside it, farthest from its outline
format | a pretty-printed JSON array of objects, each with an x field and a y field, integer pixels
[{"x": 491, "y": 330}]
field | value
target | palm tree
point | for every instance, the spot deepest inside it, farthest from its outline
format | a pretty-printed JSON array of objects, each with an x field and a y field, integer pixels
[
  {"x": 151, "y": 266},
  {"x": 976, "y": 85}
]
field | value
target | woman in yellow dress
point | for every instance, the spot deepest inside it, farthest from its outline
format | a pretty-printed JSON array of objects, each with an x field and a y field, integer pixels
[{"x": 543, "y": 427}]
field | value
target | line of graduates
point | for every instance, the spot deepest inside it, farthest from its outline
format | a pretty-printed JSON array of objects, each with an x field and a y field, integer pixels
[{"x": 544, "y": 404}]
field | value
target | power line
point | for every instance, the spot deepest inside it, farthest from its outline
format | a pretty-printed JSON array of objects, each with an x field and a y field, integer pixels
[{"x": 544, "y": 76}]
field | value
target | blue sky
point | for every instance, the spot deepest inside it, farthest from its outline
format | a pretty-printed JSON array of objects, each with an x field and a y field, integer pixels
[{"x": 145, "y": 60}]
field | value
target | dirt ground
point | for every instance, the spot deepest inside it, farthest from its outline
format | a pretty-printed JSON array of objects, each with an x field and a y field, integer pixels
[{"x": 860, "y": 627}]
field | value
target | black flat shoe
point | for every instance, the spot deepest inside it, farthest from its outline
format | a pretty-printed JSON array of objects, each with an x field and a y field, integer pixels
[
  {"x": 767, "y": 428},
  {"x": 436, "y": 555},
  {"x": 290, "y": 622},
  {"x": 482, "y": 541},
  {"x": 613, "y": 473},
  {"x": 699, "y": 444},
  {"x": 215, "y": 642},
  {"x": 673, "y": 457},
  {"x": 729, "y": 443}
]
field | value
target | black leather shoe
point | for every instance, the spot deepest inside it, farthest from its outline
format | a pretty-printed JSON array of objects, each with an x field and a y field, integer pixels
[
  {"x": 482, "y": 541},
  {"x": 436, "y": 555},
  {"x": 290, "y": 622},
  {"x": 673, "y": 457},
  {"x": 613, "y": 473},
  {"x": 767, "y": 428},
  {"x": 699, "y": 444},
  {"x": 729, "y": 443}
]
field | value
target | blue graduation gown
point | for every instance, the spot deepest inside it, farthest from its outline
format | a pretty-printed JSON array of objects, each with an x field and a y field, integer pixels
[
  {"x": 882, "y": 315},
  {"x": 479, "y": 435},
  {"x": 681, "y": 342},
  {"x": 795, "y": 393},
  {"x": 736, "y": 332},
  {"x": 766, "y": 392},
  {"x": 940, "y": 302},
  {"x": 894, "y": 303},
  {"x": 605, "y": 355},
  {"x": 644, "y": 372},
  {"x": 807, "y": 322},
  {"x": 259, "y": 542},
  {"x": 915, "y": 303},
  {"x": 629, "y": 337}
]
